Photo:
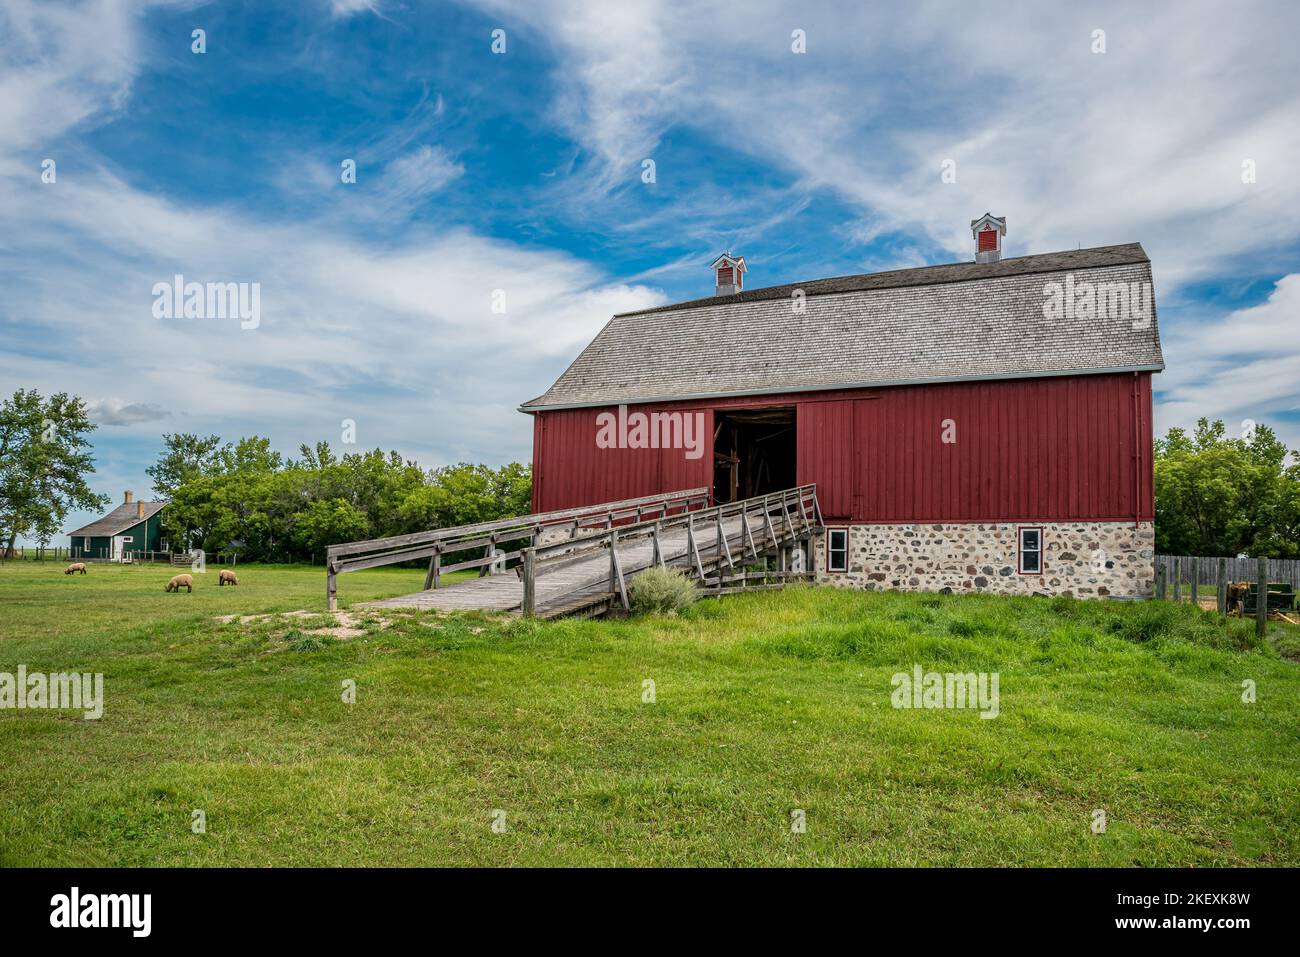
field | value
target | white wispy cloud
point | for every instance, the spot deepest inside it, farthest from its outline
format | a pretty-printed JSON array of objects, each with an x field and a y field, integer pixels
[
  {"x": 419, "y": 174},
  {"x": 1144, "y": 142},
  {"x": 347, "y": 8},
  {"x": 400, "y": 336}
]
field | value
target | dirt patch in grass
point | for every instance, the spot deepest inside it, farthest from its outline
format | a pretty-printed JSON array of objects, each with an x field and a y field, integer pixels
[{"x": 342, "y": 624}]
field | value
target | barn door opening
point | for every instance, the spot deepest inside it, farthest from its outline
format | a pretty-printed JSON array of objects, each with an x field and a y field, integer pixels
[{"x": 754, "y": 452}]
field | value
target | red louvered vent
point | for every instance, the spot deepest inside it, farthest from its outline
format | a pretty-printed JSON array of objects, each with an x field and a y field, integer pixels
[{"x": 988, "y": 240}]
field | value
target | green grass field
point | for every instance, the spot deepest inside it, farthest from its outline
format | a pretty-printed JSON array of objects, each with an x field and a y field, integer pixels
[{"x": 764, "y": 704}]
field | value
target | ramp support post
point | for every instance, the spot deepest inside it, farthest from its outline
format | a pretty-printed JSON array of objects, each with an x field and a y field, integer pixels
[{"x": 529, "y": 605}]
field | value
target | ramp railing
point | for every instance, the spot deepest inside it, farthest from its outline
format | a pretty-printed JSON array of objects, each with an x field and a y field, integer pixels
[
  {"x": 503, "y": 540},
  {"x": 780, "y": 518}
]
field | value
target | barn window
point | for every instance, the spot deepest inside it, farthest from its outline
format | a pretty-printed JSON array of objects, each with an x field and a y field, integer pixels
[
  {"x": 1031, "y": 551},
  {"x": 837, "y": 549}
]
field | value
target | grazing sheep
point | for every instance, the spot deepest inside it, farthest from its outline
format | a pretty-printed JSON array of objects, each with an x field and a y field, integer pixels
[
  {"x": 1237, "y": 592},
  {"x": 179, "y": 582},
  {"x": 227, "y": 576},
  {"x": 74, "y": 568}
]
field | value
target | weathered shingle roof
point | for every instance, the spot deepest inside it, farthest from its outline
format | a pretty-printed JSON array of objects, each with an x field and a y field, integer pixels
[
  {"x": 953, "y": 322},
  {"x": 118, "y": 520}
]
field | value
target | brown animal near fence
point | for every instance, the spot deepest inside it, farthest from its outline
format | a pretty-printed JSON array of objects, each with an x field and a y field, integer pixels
[
  {"x": 1237, "y": 592},
  {"x": 227, "y": 577},
  {"x": 179, "y": 582},
  {"x": 74, "y": 568}
]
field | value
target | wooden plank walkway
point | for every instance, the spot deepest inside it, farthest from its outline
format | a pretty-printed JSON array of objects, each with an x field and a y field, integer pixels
[{"x": 578, "y": 583}]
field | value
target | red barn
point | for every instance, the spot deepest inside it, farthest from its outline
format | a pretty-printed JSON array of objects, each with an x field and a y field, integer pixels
[{"x": 978, "y": 426}]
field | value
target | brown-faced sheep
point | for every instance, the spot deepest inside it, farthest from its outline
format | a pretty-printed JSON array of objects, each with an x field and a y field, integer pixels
[
  {"x": 74, "y": 568},
  {"x": 1237, "y": 592},
  {"x": 227, "y": 577},
  {"x": 179, "y": 582}
]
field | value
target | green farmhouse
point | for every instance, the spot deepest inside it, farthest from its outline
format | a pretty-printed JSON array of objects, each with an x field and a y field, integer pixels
[{"x": 131, "y": 528}]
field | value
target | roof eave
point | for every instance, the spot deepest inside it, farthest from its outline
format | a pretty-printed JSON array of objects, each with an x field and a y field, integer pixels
[{"x": 530, "y": 408}]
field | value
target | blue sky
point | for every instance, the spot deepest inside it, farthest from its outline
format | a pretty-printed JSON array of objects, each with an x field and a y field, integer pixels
[{"x": 522, "y": 171}]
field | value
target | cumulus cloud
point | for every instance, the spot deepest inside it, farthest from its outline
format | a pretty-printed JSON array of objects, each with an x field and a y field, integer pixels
[
  {"x": 115, "y": 411},
  {"x": 1243, "y": 366}
]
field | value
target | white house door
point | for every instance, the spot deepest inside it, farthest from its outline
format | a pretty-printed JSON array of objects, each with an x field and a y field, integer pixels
[{"x": 117, "y": 547}]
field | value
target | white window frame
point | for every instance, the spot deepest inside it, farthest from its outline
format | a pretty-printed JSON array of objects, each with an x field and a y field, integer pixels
[
  {"x": 1021, "y": 550},
  {"x": 830, "y": 552}
]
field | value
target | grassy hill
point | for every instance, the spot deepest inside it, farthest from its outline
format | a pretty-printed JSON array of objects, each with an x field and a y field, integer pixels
[{"x": 764, "y": 705}]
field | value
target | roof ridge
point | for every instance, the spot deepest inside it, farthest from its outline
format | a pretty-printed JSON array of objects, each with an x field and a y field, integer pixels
[
  {"x": 970, "y": 271},
  {"x": 111, "y": 522}
]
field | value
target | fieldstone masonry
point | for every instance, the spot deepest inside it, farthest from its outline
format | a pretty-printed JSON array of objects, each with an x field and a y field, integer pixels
[{"x": 1083, "y": 559}]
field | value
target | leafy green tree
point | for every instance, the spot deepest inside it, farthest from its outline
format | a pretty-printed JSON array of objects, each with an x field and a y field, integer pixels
[
  {"x": 465, "y": 494},
  {"x": 325, "y": 523},
  {"x": 1217, "y": 495},
  {"x": 44, "y": 461},
  {"x": 249, "y": 498},
  {"x": 185, "y": 457}
]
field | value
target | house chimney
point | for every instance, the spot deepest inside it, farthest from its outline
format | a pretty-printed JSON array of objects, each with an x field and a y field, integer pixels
[
  {"x": 728, "y": 274},
  {"x": 129, "y": 495},
  {"x": 139, "y": 509},
  {"x": 988, "y": 231}
]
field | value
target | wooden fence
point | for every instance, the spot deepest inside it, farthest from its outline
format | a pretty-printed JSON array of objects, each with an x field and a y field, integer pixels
[
  {"x": 1181, "y": 568},
  {"x": 62, "y": 553},
  {"x": 1179, "y": 574}
]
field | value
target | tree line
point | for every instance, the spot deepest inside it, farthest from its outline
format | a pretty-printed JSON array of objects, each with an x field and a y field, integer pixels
[{"x": 245, "y": 497}]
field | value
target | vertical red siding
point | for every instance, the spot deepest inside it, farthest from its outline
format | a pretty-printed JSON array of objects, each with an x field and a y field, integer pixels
[
  {"x": 1054, "y": 449},
  {"x": 825, "y": 441},
  {"x": 569, "y": 470}
]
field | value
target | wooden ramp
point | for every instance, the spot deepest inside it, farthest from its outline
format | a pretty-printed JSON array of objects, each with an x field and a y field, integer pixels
[{"x": 579, "y": 562}]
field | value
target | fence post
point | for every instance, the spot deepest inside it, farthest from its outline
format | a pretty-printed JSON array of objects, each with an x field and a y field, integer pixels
[
  {"x": 529, "y": 606},
  {"x": 1178, "y": 578},
  {"x": 1196, "y": 580},
  {"x": 331, "y": 586},
  {"x": 1162, "y": 578},
  {"x": 1261, "y": 600},
  {"x": 435, "y": 571},
  {"x": 1222, "y": 591}
]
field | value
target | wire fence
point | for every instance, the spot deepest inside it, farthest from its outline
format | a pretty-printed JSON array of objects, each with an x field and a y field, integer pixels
[{"x": 62, "y": 553}]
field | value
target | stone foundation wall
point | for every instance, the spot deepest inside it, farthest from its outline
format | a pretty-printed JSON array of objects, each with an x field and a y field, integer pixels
[{"x": 1082, "y": 559}]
